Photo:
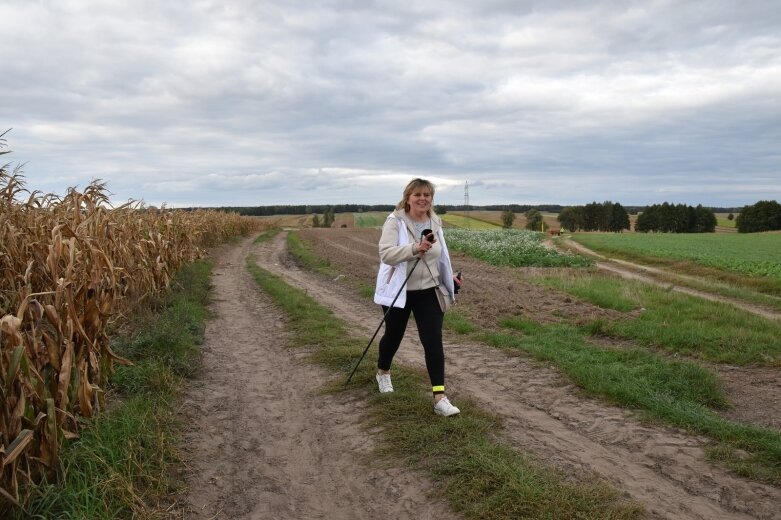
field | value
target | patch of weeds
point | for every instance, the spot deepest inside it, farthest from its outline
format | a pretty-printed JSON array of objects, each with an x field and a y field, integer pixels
[{"x": 267, "y": 235}]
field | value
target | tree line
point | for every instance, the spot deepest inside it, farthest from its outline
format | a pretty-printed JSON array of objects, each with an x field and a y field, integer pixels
[
  {"x": 765, "y": 215},
  {"x": 304, "y": 209},
  {"x": 678, "y": 218},
  {"x": 605, "y": 216}
]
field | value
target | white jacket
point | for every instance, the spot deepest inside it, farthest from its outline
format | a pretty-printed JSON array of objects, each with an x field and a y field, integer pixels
[{"x": 391, "y": 278}]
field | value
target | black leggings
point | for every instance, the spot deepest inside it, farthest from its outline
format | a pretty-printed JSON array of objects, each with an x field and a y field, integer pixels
[{"x": 428, "y": 317}]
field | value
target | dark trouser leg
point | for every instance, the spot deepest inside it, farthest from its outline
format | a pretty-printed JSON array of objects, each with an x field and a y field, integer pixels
[
  {"x": 395, "y": 325},
  {"x": 428, "y": 317}
]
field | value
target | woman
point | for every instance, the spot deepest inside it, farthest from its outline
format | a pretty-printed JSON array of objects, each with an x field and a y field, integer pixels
[{"x": 406, "y": 251}]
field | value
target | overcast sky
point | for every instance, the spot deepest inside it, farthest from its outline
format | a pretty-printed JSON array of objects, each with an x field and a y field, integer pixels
[{"x": 242, "y": 103}]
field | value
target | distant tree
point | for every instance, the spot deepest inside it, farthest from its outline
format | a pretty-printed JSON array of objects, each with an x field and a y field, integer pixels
[
  {"x": 646, "y": 221},
  {"x": 571, "y": 218},
  {"x": 328, "y": 217},
  {"x": 534, "y": 220},
  {"x": 316, "y": 221},
  {"x": 706, "y": 220},
  {"x": 508, "y": 217},
  {"x": 678, "y": 218},
  {"x": 605, "y": 216},
  {"x": 667, "y": 218},
  {"x": 731, "y": 216},
  {"x": 440, "y": 210},
  {"x": 593, "y": 216},
  {"x": 619, "y": 218},
  {"x": 765, "y": 215}
]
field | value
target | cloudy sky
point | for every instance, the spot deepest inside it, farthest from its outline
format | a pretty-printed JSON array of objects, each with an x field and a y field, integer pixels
[{"x": 242, "y": 102}]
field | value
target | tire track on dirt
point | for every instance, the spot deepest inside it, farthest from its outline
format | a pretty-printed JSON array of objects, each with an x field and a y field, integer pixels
[
  {"x": 643, "y": 273},
  {"x": 262, "y": 441},
  {"x": 354, "y": 252},
  {"x": 661, "y": 468}
]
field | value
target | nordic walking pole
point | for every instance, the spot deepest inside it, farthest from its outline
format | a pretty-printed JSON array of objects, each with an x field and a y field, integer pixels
[{"x": 381, "y": 322}]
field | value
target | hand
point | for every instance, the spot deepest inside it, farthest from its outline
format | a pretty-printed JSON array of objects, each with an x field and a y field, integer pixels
[
  {"x": 457, "y": 281},
  {"x": 424, "y": 246}
]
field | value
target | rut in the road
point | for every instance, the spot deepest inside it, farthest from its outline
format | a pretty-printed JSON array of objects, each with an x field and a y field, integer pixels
[{"x": 263, "y": 442}]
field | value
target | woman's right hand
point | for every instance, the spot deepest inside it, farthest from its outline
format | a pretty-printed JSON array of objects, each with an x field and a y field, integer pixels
[{"x": 423, "y": 247}]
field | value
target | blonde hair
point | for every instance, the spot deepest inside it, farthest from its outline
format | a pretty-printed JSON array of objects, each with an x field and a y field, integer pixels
[{"x": 413, "y": 185}]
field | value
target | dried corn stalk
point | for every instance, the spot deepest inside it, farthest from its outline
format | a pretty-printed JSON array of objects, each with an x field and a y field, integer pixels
[{"x": 69, "y": 266}]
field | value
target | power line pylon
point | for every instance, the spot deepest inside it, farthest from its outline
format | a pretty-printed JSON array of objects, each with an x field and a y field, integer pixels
[{"x": 466, "y": 202}]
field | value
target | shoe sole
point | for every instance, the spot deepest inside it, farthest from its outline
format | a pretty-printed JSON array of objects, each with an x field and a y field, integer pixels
[{"x": 443, "y": 414}]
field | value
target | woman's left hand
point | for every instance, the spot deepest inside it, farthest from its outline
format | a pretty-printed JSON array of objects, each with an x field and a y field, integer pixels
[{"x": 457, "y": 281}]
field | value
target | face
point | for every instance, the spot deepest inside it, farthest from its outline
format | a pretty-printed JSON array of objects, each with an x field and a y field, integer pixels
[{"x": 420, "y": 200}]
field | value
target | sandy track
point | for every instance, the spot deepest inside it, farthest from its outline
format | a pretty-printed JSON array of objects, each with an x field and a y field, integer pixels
[
  {"x": 262, "y": 442},
  {"x": 662, "y": 469}
]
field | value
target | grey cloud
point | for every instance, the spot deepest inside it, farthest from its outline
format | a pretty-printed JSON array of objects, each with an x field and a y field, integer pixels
[{"x": 243, "y": 100}]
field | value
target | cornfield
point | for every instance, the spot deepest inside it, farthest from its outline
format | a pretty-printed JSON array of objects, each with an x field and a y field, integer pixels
[{"x": 71, "y": 266}]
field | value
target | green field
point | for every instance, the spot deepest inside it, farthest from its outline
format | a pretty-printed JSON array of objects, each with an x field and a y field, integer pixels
[
  {"x": 753, "y": 254},
  {"x": 723, "y": 222},
  {"x": 510, "y": 247},
  {"x": 369, "y": 220}
]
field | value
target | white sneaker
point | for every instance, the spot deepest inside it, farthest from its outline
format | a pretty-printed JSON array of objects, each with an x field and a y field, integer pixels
[
  {"x": 385, "y": 383},
  {"x": 443, "y": 407}
]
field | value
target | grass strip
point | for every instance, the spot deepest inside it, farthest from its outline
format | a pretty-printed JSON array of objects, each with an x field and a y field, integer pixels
[
  {"x": 747, "y": 260},
  {"x": 267, "y": 235},
  {"x": 680, "y": 323},
  {"x": 305, "y": 255},
  {"x": 121, "y": 466},
  {"x": 706, "y": 279},
  {"x": 727, "y": 288},
  {"x": 677, "y": 393},
  {"x": 482, "y": 478}
]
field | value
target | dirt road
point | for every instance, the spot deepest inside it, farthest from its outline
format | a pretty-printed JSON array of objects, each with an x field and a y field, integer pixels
[
  {"x": 266, "y": 445},
  {"x": 263, "y": 443}
]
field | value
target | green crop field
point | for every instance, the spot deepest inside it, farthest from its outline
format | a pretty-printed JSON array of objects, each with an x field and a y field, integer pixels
[
  {"x": 754, "y": 254},
  {"x": 510, "y": 247},
  {"x": 723, "y": 221},
  {"x": 370, "y": 220}
]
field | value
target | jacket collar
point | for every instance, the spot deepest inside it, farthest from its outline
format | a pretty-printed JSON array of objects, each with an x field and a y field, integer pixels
[{"x": 436, "y": 222}]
